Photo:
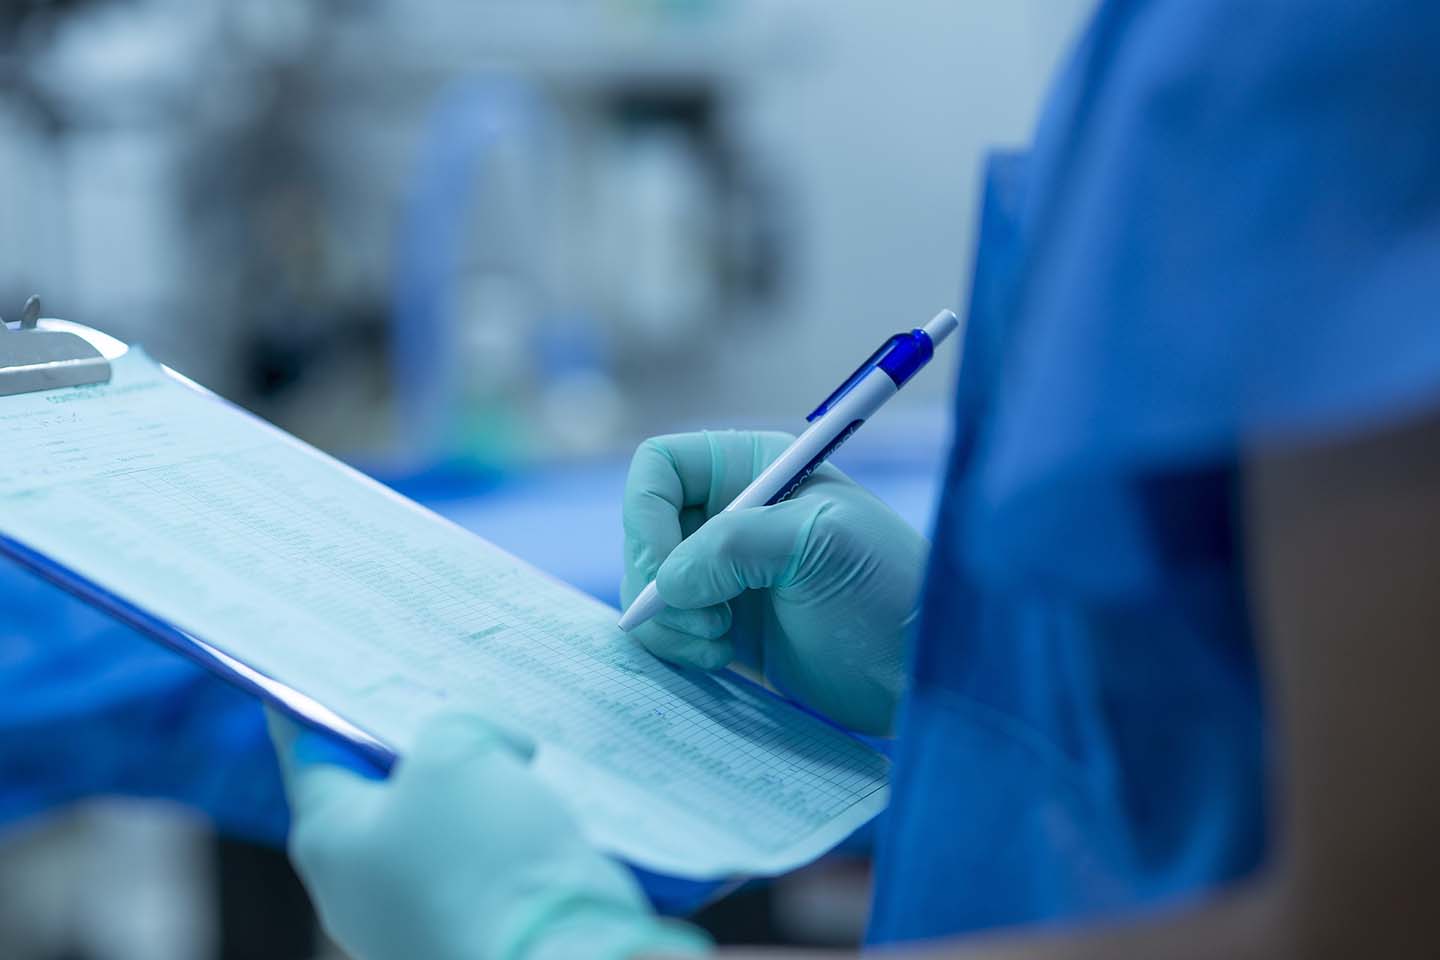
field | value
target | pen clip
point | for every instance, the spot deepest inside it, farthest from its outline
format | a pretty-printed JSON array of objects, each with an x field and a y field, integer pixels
[{"x": 856, "y": 377}]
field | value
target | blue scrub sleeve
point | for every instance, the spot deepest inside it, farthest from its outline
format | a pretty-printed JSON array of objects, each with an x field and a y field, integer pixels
[
  {"x": 1235, "y": 243},
  {"x": 90, "y": 708}
]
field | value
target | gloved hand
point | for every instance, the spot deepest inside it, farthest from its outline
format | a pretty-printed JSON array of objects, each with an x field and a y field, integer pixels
[
  {"x": 461, "y": 855},
  {"x": 818, "y": 591}
]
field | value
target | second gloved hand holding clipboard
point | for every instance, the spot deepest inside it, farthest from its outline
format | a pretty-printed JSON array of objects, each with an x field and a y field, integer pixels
[{"x": 749, "y": 537}]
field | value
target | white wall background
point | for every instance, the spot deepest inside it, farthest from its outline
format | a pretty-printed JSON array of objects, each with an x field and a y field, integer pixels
[{"x": 894, "y": 118}]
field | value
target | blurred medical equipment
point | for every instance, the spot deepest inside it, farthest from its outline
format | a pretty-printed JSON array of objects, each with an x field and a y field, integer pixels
[{"x": 574, "y": 207}]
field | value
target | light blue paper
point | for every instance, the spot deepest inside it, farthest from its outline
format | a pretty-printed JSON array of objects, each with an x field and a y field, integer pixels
[{"x": 316, "y": 576}]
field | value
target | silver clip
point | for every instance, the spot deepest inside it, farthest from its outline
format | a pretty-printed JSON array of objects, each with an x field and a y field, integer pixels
[{"x": 36, "y": 358}]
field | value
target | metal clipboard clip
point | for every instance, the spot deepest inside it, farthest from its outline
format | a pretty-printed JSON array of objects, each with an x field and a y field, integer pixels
[{"x": 45, "y": 354}]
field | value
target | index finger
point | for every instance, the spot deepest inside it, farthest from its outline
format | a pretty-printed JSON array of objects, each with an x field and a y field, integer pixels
[
  {"x": 671, "y": 473},
  {"x": 666, "y": 475}
]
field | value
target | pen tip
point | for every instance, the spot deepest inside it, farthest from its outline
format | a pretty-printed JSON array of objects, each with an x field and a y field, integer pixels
[{"x": 642, "y": 608}]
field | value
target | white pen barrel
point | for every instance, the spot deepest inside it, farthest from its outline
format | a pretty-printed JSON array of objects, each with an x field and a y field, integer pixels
[
  {"x": 791, "y": 468},
  {"x": 802, "y": 457},
  {"x": 812, "y": 448}
]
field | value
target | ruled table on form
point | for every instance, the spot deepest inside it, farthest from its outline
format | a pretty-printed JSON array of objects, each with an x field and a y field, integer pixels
[{"x": 383, "y": 612}]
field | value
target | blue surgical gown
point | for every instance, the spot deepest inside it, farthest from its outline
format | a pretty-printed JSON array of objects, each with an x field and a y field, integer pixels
[{"x": 1226, "y": 236}]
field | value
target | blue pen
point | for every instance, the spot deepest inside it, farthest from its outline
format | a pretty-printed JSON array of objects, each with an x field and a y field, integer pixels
[{"x": 831, "y": 424}]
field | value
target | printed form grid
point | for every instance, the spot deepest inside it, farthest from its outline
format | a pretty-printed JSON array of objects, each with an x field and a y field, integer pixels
[{"x": 720, "y": 758}]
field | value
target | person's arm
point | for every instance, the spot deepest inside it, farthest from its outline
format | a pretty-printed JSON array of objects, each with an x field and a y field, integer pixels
[
  {"x": 1343, "y": 544},
  {"x": 1345, "y": 552}
]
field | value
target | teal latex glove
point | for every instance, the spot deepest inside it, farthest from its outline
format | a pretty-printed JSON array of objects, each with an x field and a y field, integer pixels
[
  {"x": 462, "y": 854},
  {"x": 818, "y": 591}
]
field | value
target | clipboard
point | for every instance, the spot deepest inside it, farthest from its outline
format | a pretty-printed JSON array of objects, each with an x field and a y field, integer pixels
[
  {"x": 50, "y": 354},
  {"x": 40, "y": 354}
]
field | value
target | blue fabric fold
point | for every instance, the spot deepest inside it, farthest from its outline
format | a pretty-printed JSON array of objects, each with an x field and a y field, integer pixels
[{"x": 1236, "y": 244}]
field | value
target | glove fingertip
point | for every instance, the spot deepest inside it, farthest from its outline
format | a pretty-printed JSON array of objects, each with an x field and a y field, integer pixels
[
  {"x": 717, "y": 656},
  {"x": 676, "y": 581},
  {"x": 686, "y": 650},
  {"x": 705, "y": 623}
]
